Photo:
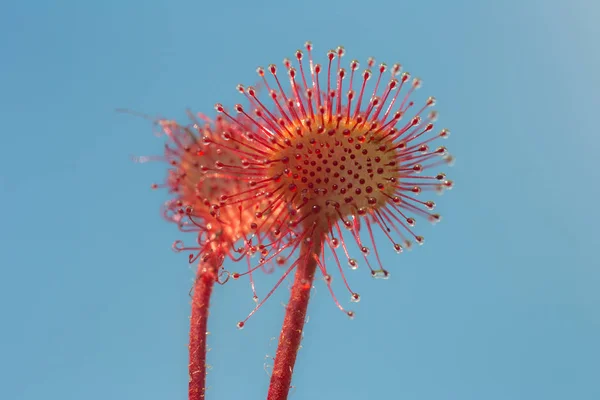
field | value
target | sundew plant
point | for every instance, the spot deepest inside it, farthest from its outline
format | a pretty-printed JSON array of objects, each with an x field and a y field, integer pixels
[{"x": 302, "y": 175}]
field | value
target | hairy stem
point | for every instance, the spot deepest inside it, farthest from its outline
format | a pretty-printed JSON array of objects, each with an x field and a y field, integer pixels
[
  {"x": 293, "y": 323},
  {"x": 205, "y": 280}
]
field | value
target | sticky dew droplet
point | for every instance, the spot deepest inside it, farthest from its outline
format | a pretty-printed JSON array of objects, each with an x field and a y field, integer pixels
[
  {"x": 380, "y": 274},
  {"x": 352, "y": 264}
]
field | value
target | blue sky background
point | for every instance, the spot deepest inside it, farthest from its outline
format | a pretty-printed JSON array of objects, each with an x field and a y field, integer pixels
[{"x": 501, "y": 303}]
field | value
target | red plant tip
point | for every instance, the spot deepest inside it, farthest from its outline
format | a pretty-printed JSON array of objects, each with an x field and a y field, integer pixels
[
  {"x": 342, "y": 149},
  {"x": 208, "y": 173}
]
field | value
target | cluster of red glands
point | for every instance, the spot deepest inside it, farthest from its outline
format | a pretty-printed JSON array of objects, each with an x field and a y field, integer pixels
[{"x": 307, "y": 164}]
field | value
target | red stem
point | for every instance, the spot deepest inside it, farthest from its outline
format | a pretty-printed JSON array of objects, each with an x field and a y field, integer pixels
[
  {"x": 293, "y": 323},
  {"x": 205, "y": 280}
]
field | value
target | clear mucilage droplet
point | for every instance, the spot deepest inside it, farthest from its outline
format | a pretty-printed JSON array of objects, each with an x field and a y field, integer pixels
[
  {"x": 380, "y": 274},
  {"x": 352, "y": 263}
]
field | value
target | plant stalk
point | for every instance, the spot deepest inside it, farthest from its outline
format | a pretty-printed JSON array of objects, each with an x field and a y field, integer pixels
[
  {"x": 293, "y": 323},
  {"x": 205, "y": 281}
]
